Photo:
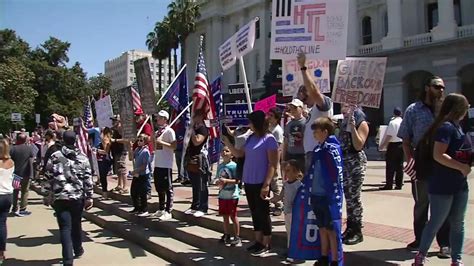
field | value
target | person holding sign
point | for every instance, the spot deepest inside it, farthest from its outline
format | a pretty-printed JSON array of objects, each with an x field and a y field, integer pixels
[
  {"x": 319, "y": 104},
  {"x": 353, "y": 136}
]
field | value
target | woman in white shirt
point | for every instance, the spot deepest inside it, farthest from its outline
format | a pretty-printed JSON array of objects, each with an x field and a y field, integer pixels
[{"x": 6, "y": 189}]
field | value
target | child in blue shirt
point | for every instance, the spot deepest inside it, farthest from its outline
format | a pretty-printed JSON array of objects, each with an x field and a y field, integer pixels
[
  {"x": 141, "y": 173},
  {"x": 229, "y": 194},
  {"x": 327, "y": 191}
]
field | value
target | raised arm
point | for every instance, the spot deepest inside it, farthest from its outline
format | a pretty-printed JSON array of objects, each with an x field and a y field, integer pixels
[{"x": 312, "y": 89}]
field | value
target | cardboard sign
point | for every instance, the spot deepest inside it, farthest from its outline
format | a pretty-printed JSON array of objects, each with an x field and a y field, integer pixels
[
  {"x": 145, "y": 86},
  {"x": 359, "y": 81},
  {"x": 235, "y": 104},
  {"x": 266, "y": 104},
  {"x": 237, "y": 45},
  {"x": 293, "y": 78},
  {"x": 38, "y": 118},
  {"x": 104, "y": 111},
  {"x": 127, "y": 117},
  {"x": 16, "y": 117},
  {"x": 317, "y": 28}
]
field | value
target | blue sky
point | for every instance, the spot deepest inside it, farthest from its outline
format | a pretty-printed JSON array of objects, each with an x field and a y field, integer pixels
[{"x": 98, "y": 30}]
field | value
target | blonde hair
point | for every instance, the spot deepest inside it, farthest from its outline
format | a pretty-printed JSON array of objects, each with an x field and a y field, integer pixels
[{"x": 4, "y": 149}]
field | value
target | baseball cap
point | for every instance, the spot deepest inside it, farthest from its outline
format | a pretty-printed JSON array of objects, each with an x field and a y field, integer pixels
[
  {"x": 164, "y": 114},
  {"x": 297, "y": 103},
  {"x": 139, "y": 111}
]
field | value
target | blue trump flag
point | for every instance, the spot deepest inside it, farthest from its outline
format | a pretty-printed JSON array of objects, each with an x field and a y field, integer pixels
[
  {"x": 304, "y": 238},
  {"x": 178, "y": 98},
  {"x": 215, "y": 143}
]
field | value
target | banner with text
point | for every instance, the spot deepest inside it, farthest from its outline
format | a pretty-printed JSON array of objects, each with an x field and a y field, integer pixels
[
  {"x": 104, "y": 111},
  {"x": 293, "y": 79},
  {"x": 359, "y": 81},
  {"x": 145, "y": 85},
  {"x": 235, "y": 105},
  {"x": 317, "y": 28},
  {"x": 238, "y": 45},
  {"x": 127, "y": 118}
]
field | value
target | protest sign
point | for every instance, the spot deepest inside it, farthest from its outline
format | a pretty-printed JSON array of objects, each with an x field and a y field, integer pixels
[
  {"x": 235, "y": 104},
  {"x": 293, "y": 78},
  {"x": 103, "y": 109},
  {"x": 237, "y": 45},
  {"x": 317, "y": 28},
  {"x": 359, "y": 81},
  {"x": 127, "y": 117},
  {"x": 145, "y": 85},
  {"x": 266, "y": 104}
]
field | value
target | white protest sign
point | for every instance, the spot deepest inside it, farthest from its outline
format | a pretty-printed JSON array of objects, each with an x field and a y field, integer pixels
[
  {"x": 317, "y": 28},
  {"x": 240, "y": 44},
  {"x": 38, "y": 118},
  {"x": 293, "y": 79},
  {"x": 359, "y": 81},
  {"x": 104, "y": 112},
  {"x": 16, "y": 117}
]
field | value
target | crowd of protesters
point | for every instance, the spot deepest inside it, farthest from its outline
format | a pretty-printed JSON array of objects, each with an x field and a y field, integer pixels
[{"x": 269, "y": 162}]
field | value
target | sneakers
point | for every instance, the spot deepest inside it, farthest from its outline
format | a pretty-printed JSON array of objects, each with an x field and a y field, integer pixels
[
  {"x": 227, "y": 240},
  {"x": 79, "y": 254},
  {"x": 277, "y": 212},
  {"x": 189, "y": 211},
  {"x": 223, "y": 238},
  {"x": 457, "y": 263},
  {"x": 419, "y": 260},
  {"x": 166, "y": 216},
  {"x": 386, "y": 188},
  {"x": 262, "y": 250},
  {"x": 158, "y": 213},
  {"x": 236, "y": 241},
  {"x": 143, "y": 214},
  {"x": 199, "y": 214},
  {"x": 22, "y": 213},
  {"x": 254, "y": 247},
  {"x": 413, "y": 246},
  {"x": 133, "y": 211},
  {"x": 444, "y": 253}
]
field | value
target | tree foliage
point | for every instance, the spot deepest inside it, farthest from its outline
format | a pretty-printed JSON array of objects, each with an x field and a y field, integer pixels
[{"x": 39, "y": 82}]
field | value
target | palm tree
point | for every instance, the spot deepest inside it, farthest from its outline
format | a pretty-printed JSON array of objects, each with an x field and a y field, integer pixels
[
  {"x": 157, "y": 43},
  {"x": 183, "y": 15},
  {"x": 171, "y": 38}
]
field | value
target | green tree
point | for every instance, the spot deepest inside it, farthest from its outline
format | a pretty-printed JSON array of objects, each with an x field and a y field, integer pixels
[
  {"x": 12, "y": 46},
  {"x": 183, "y": 15},
  {"x": 158, "y": 44}
]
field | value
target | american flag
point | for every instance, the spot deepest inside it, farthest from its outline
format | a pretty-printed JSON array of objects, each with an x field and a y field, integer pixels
[
  {"x": 88, "y": 119},
  {"x": 82, "y": 142},
  {"x": 201, "y": 93},
  {"x": 137, "y": 103},
  {"x": 16, "y": 181},
  {"x": 409, "y": 169}
]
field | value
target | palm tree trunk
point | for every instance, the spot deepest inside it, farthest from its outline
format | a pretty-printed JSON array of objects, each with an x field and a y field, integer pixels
[
  {"x": 160, "y": 67},
  {"x": 175, "y": 58},
  {"x": 183, "y": 50}
]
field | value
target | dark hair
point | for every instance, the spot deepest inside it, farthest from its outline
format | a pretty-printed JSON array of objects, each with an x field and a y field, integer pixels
[
  {"x": 296, "y": 165},
  {"x": 324, "y": 123},
  {"x": 21, "y": 138},
  {"x": 276, "y": 113},
  {"x": 260, "y": 124},
  {"x": 106, "y": 130},
  {"x": 49, "y": 133},
  {"x": 426, "y": 83}
]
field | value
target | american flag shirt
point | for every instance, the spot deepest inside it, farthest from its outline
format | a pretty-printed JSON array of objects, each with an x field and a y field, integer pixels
[{"x": 69, "y": 175}]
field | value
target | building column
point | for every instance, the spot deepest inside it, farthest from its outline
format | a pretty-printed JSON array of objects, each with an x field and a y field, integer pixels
[
  {"x": 447, "y": 26},
  {"x": 353, "y": 35},
  {"x": 393, "y": 39}
]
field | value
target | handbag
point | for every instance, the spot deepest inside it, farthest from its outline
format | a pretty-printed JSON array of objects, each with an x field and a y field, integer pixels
[
  {"x": 193, "y": 164},
  {"x": 16, "y": 183}
]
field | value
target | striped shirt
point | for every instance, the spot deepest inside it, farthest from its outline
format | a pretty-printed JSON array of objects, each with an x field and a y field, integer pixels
[{"x": 416, "y": 121}]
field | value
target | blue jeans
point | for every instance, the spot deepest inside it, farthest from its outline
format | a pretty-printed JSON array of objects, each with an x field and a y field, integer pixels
[
  {"x": 442, "y": 207},
  {"x": 69, "y": 216}
]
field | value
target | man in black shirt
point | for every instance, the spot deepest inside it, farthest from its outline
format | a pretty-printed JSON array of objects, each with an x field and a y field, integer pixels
[
  {"x": 119, "y": 155},
  {"x": 23, "y": 156}
]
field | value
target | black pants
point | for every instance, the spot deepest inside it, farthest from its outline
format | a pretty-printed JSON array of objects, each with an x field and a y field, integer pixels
[
  {"x": 394, "y": 164},
  {"x": 420, "y": 214},
  {"x": 200, "y": 191},
  {"x": 5, "y": 205},
  {"x": 104, "y": 168},
  {"x": 164, "y": 187},
  {"x": 259, "y": 208},
  {"x": 138, "y": 192},
  {"x": 69, "y": 217}
]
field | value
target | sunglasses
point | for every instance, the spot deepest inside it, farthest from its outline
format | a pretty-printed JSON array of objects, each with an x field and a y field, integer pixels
[
  {"x": 140, "y": 140},
  {"x": 438, "y": 87}
]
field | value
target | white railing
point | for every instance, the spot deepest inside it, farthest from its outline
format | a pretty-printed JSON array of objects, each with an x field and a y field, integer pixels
[
  {"x": 419, "y": 39},
  {"x": 466, "y": 31},
  {"x": 370, "y": 48}
]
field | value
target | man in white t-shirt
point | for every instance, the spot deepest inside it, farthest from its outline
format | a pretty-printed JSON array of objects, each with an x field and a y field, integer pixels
[
  {"x": 394, "y": 155},
  {"x": 164, "y": 157},
  {"x": 319, "y": 104}
]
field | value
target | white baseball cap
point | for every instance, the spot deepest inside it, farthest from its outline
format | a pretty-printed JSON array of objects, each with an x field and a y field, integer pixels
[
  {"x": 297, "y": 103},
  {"x": 164, "y": 114}
]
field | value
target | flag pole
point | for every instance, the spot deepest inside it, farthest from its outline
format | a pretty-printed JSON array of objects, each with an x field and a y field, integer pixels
[
  {"x": 167, "y": 89},
  {"x": 180, "y": 114},
  {"x": 246, "y": 86}
]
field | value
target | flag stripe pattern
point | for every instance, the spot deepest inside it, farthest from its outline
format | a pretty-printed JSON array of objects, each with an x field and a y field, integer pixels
[
  {"x": 82, "y": 142},
  {"x": 88, "y": 119},
  {"x": 137, "y": 102},
  {"x": 16, "y": 183},
  {"x": 409, "y": 169}
]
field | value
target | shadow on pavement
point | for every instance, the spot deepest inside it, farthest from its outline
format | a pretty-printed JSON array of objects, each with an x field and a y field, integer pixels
[
  {"x": 15, "y": 262},
  {"x": 397, "y": 254}
]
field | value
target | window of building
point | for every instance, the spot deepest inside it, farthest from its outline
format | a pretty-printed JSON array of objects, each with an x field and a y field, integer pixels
[
  {"x": 366, "y": 30},
  {"x": 457, "y": 12},
  {"x": 131, "y": 79},
  {"x": 432, "y": 15},
  {"x": 151, "y": 65},
  {"x": 131, "y": 70},
  {"x": 131, "y": 62},
  {"x": 257, "y": 29}
]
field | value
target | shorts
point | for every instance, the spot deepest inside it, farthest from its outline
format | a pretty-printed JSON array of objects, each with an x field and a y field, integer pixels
[
  {"x": 228, "y": 206},
  {"x": 120, "y": 166},
  {"x": 321, "y": 210}
]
